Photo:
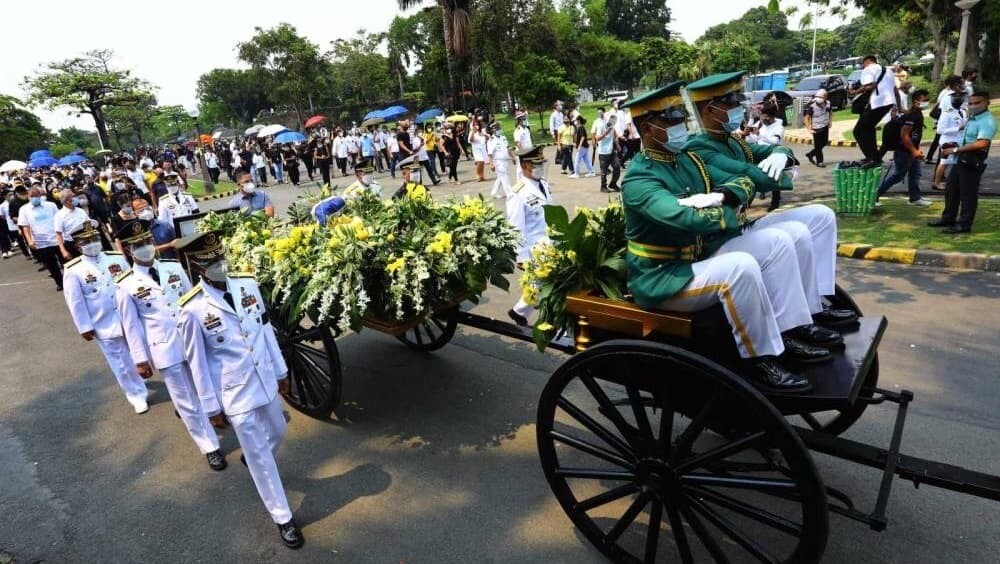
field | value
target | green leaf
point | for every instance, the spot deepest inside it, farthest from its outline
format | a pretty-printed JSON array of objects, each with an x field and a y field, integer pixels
[{"x": 556, "y": 217}]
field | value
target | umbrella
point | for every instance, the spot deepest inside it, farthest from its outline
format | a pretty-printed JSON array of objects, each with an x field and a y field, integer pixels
[
  {"x": 373, "y": 114},
  {"x": 103, "y": 152},
  {"x": 428, "y": 115},
  {"x": 393, "y": 113},
  {"x": 216, "y": 135},
  {"x": 11, "y": 166},
  {"x": 372, "y": 121},
  {"x": 71, "y": 160},
  {"x": 40, "y": 153},
  {"x": 271, "y": 130},
  {"x": 290, "y": 137},
  {"x": 40, "y": 162},
  {"x": 456, "y": 118},
  {"x": 77, "y": 152},
  {"x": 315, "y": 120},
  {"x": 252, "y": 130}
]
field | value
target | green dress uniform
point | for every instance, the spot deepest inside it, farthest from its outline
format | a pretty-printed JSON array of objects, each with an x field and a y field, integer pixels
[{"x": 735, "y": 156}]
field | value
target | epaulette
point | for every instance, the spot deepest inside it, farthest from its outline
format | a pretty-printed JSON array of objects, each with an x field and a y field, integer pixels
[
  {"x": 123, "y": 275},
  {"x": 191, "y": 293},
  {"x": 112, "y": 252},
  {"x": 72, "y": 262},
  {"x": 517, "y": 187},
  {"x": 241, "y": 275}
]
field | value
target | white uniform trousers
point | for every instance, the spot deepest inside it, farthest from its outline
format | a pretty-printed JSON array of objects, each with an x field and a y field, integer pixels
[
  {"x": 182, "y": 392},
  {"x": 503, "y": 178},
  {"x": 260, "y": 432},
  {"x": 755, "y": 277},
  {"x": 120, "y": 361},
  {"x": 523, "y": 309},
  {"x": 821, "y": 228}
]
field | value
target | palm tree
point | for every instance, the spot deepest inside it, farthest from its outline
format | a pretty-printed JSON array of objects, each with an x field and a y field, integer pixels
[{"x": 456, "y": 22}]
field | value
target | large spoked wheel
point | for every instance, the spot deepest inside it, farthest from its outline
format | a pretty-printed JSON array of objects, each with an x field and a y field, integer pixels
[
  {"x": 837, "y": 421},
  {"x": 315, "y": 379},
  {"x": 433, "y": 332},
  {"x": 655, "y": 452}
]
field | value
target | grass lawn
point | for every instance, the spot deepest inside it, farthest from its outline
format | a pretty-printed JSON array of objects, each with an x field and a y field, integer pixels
[
  {"x": 588, "y": 110},
  {"x": 895, "y": 223},
  {"x": 196, "y": 187}
]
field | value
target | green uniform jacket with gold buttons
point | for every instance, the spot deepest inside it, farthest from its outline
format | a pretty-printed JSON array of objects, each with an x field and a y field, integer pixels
[
  {"x": 735, "y": 156},
  {"x": 664, "y": 237}
]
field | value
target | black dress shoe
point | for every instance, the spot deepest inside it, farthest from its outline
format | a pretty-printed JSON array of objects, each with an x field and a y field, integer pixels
[
  {"x": 291, "y": 535},
  {"x": 216, "y": 461},
  {"x": 796, "y": 350},
  {"x": 940, "y": 223},
  {"x": 768, "y": 374},
  {"x": 519, "y": 319},
  {"x": 243, "y": 459},
  {"x": 815, "y": 335},
  {"x": 832, "y": 318},
  {"x": 956, "y": 228}
]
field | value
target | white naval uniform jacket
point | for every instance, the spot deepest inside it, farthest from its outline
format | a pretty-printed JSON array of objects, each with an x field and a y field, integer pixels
[
  {"x": 233, "y": 353},
  {"x": 176, "y": 205},
  {"x": 525, "y": 212},
  {"x": 89, "y": 288},
  {"x": 150, "y": 314}
]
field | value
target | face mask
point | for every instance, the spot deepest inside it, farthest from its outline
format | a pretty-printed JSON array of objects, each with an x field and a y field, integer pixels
[
  {"x": 75, "y": 201},
  {"x": 146, "y": 214},
  {"x": 35, "y": 200},
  {"x": 923, "y": 105},
  {"x": 119, "y": 185},
  {"x": 248, "y": 188},
  {"x": 735, "y": 116},
  {"x": 366, "y": 179},
  {"x": 216, "y": 272},
  {"x": 127, "y": 210},
  {"x": 539, "y": 170},
  {"x": 173, "y": 189},
  {"x": 91, "y": 249},
  {"x": 976, "y": 110},
  {"x": 145, "y": 253},
  {"x": 677, "y": 136}
]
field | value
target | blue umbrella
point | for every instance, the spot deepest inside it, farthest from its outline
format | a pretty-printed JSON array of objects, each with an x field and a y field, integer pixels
[
  {"x": 71, "y": 160},
  {"x": 373, "y": 114},
  {"x": 40, "y": 162},
  {"x": 394, "y": 112},
  {"x": 290, "y": 137},
  {"x": 428, "y": 115},
  {"x": 40, "y": 153}
]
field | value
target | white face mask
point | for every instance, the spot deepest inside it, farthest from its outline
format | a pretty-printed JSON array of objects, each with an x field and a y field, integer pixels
[
  {"x": 173, "y": 189},
  {"x": 366, "y": 179},
  {"x": 248, "y": 188},
  {"x": 91, "y": 249},
  {"x": 144, "y": 253},
  {"x": 923, "y": 105},
  {"x": 217, "y": 271},
  {"x": 146, "y": 214},
  {"x": 415, "y": 177}
]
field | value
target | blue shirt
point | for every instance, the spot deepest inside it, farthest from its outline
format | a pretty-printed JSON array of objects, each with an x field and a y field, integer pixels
[
  {"x": 980, "y": 126},
  {"x": 249, "y": 203},
  {"x": 162, "y": 233},
  {"x": 367, "y": 145},
  {"x": 606, "y": 145}
]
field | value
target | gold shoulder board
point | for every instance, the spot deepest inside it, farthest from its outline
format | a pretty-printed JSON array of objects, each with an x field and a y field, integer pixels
[
  {"x": 241, "y": 275},
  {"x": 112, "y": 252},
  {"x": 517, "y": 187},
  {"x": 191, "y": 293},
  {"x": 123, "y": 275},
  {"x": 72, "y": 262}
]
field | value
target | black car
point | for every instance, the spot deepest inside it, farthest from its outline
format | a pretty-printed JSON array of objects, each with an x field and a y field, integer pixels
[{"x": 834, "y": 84}]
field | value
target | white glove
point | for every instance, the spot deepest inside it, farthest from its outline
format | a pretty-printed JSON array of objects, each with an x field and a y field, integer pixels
[
  {"x": 699, "y": 201},
  {"x": 774, "y": 165}
]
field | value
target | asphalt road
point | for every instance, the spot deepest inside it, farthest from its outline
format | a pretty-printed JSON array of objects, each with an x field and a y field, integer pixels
[{"x": 432, "y": 457}]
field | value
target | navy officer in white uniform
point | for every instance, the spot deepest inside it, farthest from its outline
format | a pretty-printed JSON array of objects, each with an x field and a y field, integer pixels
[
  {"x": 238, "y": 368},
  {"x": 147, "y": 297},
  {"x": 525, "y": 211},
  {"x": 89, "y": 287}
]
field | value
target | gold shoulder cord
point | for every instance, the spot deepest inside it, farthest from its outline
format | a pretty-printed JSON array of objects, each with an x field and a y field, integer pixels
[
  {"x": 746, "y": 149},
  {"x": 702, "y": 169},
  {"x": 660, "y": 156}
]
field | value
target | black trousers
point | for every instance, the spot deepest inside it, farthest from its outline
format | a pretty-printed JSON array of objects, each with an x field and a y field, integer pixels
[
  {"x": 213, "y": 173},
  {"x": 342, "y": 165},
  {"x": 821, "y": 138},
  {"x": 308, "y": 161},
  {"x": 49, "y": 257},
  {"x": 293, "y": 172},
  {"x": 19, "y": 238},
  {"x": 929, "y": 156},
  {"x": 453, "y": 165},
  {"x": 432, "y": 157},
  {"x": 864, "y": 131},
  {"x": 324, "y": 169},
  {"x": 262, "y": 174},
  {"x": 444, "y": 161},
  {"x": 609, "y": 161},
  {"x": 961, "y": 195},
  {"x": 5, "y": 240},
  {"x": 429, "y": 167}
]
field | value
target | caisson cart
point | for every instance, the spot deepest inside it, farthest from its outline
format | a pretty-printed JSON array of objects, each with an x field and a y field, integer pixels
[{"x": 655, "y": 446}]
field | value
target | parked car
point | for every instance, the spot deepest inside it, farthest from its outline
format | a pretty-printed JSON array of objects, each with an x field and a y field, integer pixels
[
  {"x": 834, "y": 84},
  {"x": 854, "y": 80}
]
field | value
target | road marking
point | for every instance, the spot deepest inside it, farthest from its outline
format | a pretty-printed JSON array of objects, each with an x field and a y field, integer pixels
[{"x": 18, "y": 283}]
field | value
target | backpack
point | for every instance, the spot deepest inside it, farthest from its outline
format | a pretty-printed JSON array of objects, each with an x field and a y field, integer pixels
[{"x": 891, "y": 134}]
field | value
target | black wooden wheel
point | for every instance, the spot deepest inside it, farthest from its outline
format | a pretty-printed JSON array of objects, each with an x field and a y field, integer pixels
[
  {"x": 836, "y": 422},
  {"x": 315, "y": 379},
  {"x": 658, "y": 454},
  {"x": 433, "y": 332}
]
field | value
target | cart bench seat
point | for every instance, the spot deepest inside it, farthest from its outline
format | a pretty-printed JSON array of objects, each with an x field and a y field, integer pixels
[{"x": 628, "y": 319}]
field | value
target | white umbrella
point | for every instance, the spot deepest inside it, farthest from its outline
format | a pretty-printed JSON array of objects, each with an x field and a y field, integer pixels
[
  {"x": 217, "y": 134},
  {"x": 271, "y": 130},
  {"x": 253, "y": 130},
  {"x": 11, "y": 166}
]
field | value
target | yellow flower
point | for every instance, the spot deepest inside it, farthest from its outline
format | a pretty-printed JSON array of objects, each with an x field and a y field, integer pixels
[
  {"x": 441, "y": 243},
  {"x": 416, "y": 191},
  {"x": 390, "y": 237},
  {"x": 544, "y": 326},
  {"x": 266, "y": 233},
  {"x": 571, "y": 255},
  {"x": 395, "y": 265},
  {"x": 530, "y": 294}
]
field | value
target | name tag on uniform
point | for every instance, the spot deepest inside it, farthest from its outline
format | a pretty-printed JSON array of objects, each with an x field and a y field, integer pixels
[
  {"x": 90, "y": 278},
  {"x": 533, "y": 202},
  {"x": 246, "y": 299},
  {"x": 115, "y": 269},
  {"x": 173, "y": 278},
  {"x": 211, "y": 321}
]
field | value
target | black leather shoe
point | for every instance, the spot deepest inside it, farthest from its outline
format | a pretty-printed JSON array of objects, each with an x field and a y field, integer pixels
[
  {"x": 831, "y": 318},
  {"x": 216, "y": 461},
  {"x": 243, "y": 459},
  {"x": 940, "y": 223},
  {"x": 768, "y": 374},
  {"x": 521, "y": 320},
  {"x": 815, "y": 335},
  {"x": 291, "y": 535},
  {"x": 797, "y": 351},
  {"x": 956, "y": 228}
]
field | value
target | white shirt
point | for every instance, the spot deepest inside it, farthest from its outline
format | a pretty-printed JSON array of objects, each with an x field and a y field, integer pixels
[
  {"x": 623, "y": 120},
  {"x": 340, "y": 147},
  {"x": 258, "y": 160},
  {"x": 522, "y": 138},
  {"x": 496, "y": 147},
  {"x": 41, "y": 221},
  {"x": 392, "y": 143},
  {"x": 69, "y": 220},
  {"x": 950, "y": 125},
  {"x": 211, "y": 160},
  {"x": 5, "y": 212},
  {"x": 944, "y": 100},
  {"x": 768, "y": 134},
  {"x": 139, "y": 178},
  {"x": 884, "y": 93},
  {"x": 555, "y": 122}
]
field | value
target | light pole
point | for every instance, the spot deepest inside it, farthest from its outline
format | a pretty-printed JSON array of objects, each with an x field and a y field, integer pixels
[
  {"x": 966, "y": 7},
  {"x": 812, "y": 67},
  {"x": 200, "y": 155}
]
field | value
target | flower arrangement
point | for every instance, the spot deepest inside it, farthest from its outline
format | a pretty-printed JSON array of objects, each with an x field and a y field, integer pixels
[
  {"x": 386, "y": 259},
  {"x": 587, "y": 253}
]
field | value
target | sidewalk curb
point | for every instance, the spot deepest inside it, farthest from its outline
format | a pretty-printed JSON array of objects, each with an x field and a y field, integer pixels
[
  {"x": 809, "y": 141},
  {"x": 217, "y": 196},
  {"x": 965, "y": 261}
]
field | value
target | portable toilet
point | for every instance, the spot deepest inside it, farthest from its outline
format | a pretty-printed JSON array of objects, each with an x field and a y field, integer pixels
[
  {"x": 779, "y": 80},
  {"x": 766, "y": 81}
]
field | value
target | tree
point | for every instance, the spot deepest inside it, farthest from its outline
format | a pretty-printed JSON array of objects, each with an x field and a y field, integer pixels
[
  {"x": 88, "y": 84},
  {"x": 457, "y": 25},
  {"x": 888, "y": 37},
  {"x": 360, "y": 74},
  {"x": 70, "y": 139},
  {"x": 20, "y": 130},
  {"x": 733, "y": 52},
  {"x": 664, "y": 58},
  {"x": 936, "y": 16},
  {"x": 289, "y": 64},
  {"x": 172, "y": 121},
  {"x": 131, "y": 120},
  {"x": 539, "y": 81},
  {"x": 633, "y": 20},
  {"x": 232, "y": 97},
  {"x": 404, "y": 46},
  {"x": 766, "y": 31}
]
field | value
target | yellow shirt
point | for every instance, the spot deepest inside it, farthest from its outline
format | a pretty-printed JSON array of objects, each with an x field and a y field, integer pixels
[
  {"x": 104, "y": 186},
  {"x": 566, "y": 134},
  {"x": 430, "y": 140},
  {"x": 150, "y": 179}
]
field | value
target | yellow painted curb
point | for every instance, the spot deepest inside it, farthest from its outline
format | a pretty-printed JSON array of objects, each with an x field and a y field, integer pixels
[{"x": 888, "y": 254}]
